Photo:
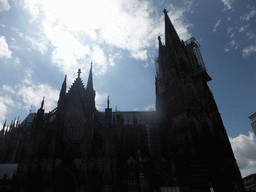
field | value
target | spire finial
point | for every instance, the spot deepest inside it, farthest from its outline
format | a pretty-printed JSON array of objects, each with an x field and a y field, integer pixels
[
  {"x": 79, "y": 72},
  {"x": 165, "y": 11},
  {"x": 91, "y": 63},
  {"x": 159, "y": 40},
  {"x": 108, "y": 101},
  {"x": 4, "y": 125},
  {"x": 63, "y": 91},
  {"x": 30, "y": 109},
  {"x": 42, "y": 104}
]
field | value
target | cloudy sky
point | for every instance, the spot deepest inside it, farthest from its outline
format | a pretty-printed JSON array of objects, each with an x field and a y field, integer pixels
[{"x": 42, "y": 41}]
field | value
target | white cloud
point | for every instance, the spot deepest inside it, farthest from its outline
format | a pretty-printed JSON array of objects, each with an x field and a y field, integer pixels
[
  {"x": 244, "y": 148},
  {"x": 228, "y": 4},
  {"x": 14, "y": 47},
  {"x": 229, "y": 29},
  {"x": 226, "y": 49},
  {"x": 17, "y": 60},
  {"x": 249, "y": 15},
  {"x": 113, "y": 57},
  {"x": 67, "y": 50},
  {"x": 32, "y": 94},
  {"x": 26, "y": 94},
  {"x": 178, "y": 20},
  {"x": 251, "y": 35},
  {"x": 151, "y": 107},
  {"x": 101, "y": 101},
  {"x": 16, "y": 30},
  {"x": 39, "y": 44},
  {"x": 216, "y": 25},
  {"x": 242, "y": 28},
  {"x": 99, "y": 59},
  {"x": 126, "y": 25},
  {"x": 233, "y": 43},
  {"x": 4, "y": 5},
  {"x": 4, "y": 50},
  {"x": 248, "y": 50},
  {"x": 5, "y": 103},
  {"x": 146, "y": 65},
  {"x": 8, "y": 89},
  {"x": 141, "y": 55}
]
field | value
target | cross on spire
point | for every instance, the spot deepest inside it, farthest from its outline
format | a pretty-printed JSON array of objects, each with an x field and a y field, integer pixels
[{"x": 79, "y": 72}]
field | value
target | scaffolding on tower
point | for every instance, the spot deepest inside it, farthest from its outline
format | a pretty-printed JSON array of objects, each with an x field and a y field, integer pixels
[{"x": 196, "y": 60}]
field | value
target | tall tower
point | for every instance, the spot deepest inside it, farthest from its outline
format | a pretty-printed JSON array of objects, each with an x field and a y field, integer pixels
[
  {"x": 90, "y": 93},
  {"x": 194, "y": 142}
]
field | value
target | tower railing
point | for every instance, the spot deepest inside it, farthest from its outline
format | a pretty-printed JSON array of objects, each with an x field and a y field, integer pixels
[
  {"x": 195, "y": 54},
  {"x": 195, "y": 57}
]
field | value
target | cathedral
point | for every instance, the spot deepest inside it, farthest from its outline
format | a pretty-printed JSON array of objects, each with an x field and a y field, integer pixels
[{"x": 181, "y": 147}]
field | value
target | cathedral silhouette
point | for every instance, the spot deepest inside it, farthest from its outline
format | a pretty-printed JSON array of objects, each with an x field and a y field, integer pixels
[{"x": 181, "y": 147}]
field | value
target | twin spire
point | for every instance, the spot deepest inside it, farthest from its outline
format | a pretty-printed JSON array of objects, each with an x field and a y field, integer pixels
[
  {"x": 171, "y": 38},
  {"x": 76, "y": 83},
  {"x": 90, "y": 82}
]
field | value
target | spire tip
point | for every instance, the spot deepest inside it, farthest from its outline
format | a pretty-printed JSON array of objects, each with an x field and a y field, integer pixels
[
  {"x": 108, "y": 101},
  {"x": 79, "y": 72}
]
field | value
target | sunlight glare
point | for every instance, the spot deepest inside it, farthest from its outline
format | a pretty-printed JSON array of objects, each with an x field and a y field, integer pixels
[{"x": 81, "y": 15}]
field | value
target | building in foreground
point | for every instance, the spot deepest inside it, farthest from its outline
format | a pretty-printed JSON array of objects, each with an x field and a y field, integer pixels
[
  {"x": 253, "y": 122},
  {"x": 182, "y": 146},
  {"x": 250, "y": 182}
]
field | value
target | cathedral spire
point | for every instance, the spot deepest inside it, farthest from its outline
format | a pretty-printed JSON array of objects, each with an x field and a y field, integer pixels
[
  {"x": 64, "y": 85},
  {"x": 159, "y": 45},
  {"x": 4, "y": 125},
  {"x": 90, "y": 93},
  {"x": 42, "y": 104},
  {"x": 90, "y": 82},
  {"x": 63, "y": 90},
  {"x": 171, "y": 36}
]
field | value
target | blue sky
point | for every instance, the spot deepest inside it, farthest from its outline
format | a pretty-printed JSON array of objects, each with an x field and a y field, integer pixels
[{"x": 42, "y": 41}]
